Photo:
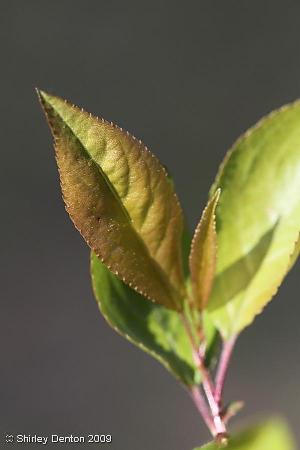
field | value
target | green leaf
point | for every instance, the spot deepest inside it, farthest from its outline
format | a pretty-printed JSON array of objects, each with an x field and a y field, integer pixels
[
  {"x": 153, "y": 328},
  {"x": 258, "y": 219},
  {"x": 120, "y": 199},
  {"x": 272, "y": 435},
  {"x": 295, "y": 254},
  {"x": 203, "y": 255}
]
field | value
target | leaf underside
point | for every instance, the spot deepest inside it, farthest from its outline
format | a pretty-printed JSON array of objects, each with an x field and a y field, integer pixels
[
  {"x": 151, "y": 327},
  {"x": 272, "y": 435},
  {"x": 258, "y": 219},
  {"x": 120, "y": 199}
]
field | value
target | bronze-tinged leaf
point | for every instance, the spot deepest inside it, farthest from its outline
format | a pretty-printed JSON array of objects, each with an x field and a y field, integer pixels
[
  {"x": 119, "y": 198},
  {"x": 203, "y": 256}
]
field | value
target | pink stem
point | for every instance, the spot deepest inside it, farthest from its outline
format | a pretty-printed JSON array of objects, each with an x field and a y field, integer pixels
[
  {"x": 222, "y": 370},
  {"x": 203, "y": 409},
  {"x": 208, "y": 387},
  {"x": 209, "y": 390}
]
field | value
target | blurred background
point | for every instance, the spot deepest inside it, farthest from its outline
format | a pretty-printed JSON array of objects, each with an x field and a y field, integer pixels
[{"x": 187, "y": 78}]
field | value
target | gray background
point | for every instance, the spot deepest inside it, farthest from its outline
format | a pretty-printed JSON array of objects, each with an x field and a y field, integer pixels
[{"x": 187, "y": 78}]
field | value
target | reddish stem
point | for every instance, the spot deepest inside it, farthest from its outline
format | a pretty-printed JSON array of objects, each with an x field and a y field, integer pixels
[
  {"x": 222, "y": 370},
  {"x": 208, "y": 386},
  {"x": 202, "y": 408}
]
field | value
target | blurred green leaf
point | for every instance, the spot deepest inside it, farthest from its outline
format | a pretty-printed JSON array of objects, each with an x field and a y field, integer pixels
[
  {"x": 272, "y": 435},
  {"x": 258, "y": 219},
  {"x": 120, "y": 199},
  {"x": 151, "y": 327},
  {"x": 203, "y": 255}
]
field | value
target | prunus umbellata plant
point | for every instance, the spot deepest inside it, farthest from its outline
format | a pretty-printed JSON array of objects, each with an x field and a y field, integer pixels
[{"x": 185, "y": 301}]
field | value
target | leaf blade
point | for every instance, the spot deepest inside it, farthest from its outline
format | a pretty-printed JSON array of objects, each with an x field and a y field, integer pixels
[
  {"x": 151, "y": 327},
  {"x": 258, "y": 219},
  {"x": 118, "y": 196},
  {"x": 203, "y": 256},
  {"x": 154, "y": 329}
]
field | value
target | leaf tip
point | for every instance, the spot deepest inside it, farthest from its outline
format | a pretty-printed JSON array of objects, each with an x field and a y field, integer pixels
[
  {"x": 43, "y": 96},
  {"x": 217, "y": 194},
  {"x": 39, "y": 93}
]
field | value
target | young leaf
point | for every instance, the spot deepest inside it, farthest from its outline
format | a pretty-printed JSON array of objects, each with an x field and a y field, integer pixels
[
  {"x": 272, "y": 435},
  {"x": 258, "y": 219},
  {"x": 153, "y": 328},
  {"x": 120, "y": 199},
  {"x": 203, "y": 255}
]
